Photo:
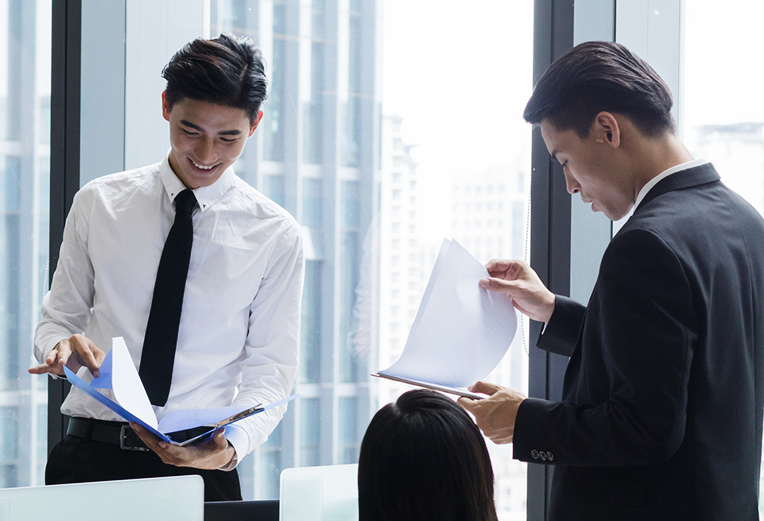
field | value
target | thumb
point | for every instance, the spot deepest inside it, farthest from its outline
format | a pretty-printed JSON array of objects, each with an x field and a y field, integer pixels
[
  {"x": 499, "y": 285},
  {"x": 485, "y": 388},
  {"x": 467, "y": 403}
]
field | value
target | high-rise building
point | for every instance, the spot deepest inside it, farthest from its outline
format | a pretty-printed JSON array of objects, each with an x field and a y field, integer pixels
[
  {"x": 402, "y": 275},
  {"x": 489, "y": 217},
  {"x": 316, "y": 153}
]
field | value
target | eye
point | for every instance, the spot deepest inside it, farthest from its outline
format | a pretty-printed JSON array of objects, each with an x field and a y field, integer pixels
[
  {"x": 226, "y": 140},
  {"x": 189, "y": 132}
]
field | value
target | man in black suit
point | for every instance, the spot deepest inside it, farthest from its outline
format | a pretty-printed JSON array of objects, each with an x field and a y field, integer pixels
[{"x": 661, "y": 414}]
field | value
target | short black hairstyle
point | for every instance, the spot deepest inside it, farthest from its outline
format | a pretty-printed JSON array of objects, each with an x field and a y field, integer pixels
[
  {"x": 423, "y": 459},
  {"x": 601, "y": 76},
  {"x": 226, "y": 70}
]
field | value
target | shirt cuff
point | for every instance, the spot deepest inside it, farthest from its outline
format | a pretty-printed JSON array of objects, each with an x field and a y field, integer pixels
[{"x": 240, "y": 441}]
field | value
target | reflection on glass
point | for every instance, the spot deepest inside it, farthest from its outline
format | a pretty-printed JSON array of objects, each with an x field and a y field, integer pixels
[
  {"x": 273, "y": 188},
  {"x": 24, "y": 201},
  {"x": 310, "y": 432},
  {"x": 348, "y": 425},
  {"x": 310, "y": 325},
  {"x": 313, "y": 108},
  {"x": 274, "y": 106},
  {"x": 350, "y": 267}
]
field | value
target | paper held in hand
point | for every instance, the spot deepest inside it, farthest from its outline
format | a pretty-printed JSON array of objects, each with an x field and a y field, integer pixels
[
  {"x": 461, "y": 331},
  {"x": 119, "y": 374}
]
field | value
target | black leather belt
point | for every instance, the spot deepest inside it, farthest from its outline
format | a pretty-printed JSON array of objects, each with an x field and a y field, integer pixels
[{"x": 120, "y": 433}]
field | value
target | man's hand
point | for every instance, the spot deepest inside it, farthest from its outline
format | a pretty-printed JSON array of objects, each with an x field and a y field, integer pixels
[
  {"x": 495, "y": 416},
  {"x": 212, "y": 454},
  {"x": 74, "y": 352},
  {"x": 522, "y": 285}
]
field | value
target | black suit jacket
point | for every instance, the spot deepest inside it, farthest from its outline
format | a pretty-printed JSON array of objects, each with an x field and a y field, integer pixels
[{"x": 662, "y": 406}]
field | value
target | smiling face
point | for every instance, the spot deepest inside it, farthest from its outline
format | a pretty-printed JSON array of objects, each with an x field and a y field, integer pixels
[
  {"x": 591, "y": 166},
  {"x": 206, "y": 138}
]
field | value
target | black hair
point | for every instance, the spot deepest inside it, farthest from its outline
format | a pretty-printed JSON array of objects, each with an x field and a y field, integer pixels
[
  {"x": 225, "y": 70},
  {"x": 423, "y": 459},
  {"x": 601, "y": 76}
]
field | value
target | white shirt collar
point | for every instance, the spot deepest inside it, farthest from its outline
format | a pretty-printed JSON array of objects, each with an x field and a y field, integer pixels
[
  {"x": 205, "y": 195},
  {"x": 663, "y": 175}
]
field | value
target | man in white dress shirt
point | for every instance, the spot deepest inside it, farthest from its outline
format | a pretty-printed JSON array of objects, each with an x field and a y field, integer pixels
[{"x": 241, "y": 306}]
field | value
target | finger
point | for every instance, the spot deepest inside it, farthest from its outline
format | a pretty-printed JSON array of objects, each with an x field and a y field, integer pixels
[
  {"x": 485, "y": 388},
  {"x": 497, "y": 265}
]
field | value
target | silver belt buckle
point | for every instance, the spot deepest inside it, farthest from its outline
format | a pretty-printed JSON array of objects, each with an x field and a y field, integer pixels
[{"x": 123, "y": 439}]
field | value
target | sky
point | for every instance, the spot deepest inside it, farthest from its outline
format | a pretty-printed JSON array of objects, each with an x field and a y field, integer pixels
[{"x": 459, "y": 73}]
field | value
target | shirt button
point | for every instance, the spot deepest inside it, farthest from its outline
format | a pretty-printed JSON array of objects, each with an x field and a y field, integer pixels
[
  {"x": 549, "y": 456},
  {"x": 535, "y": 454}
]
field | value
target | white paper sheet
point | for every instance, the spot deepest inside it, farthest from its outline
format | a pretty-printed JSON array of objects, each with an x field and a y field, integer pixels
[{"x": 461, "y": 331}]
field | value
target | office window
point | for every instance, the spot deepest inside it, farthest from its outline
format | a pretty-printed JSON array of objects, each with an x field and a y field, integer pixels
[
  {"x": 25, "y": 64},
  {"x": 730, "y": 130}
]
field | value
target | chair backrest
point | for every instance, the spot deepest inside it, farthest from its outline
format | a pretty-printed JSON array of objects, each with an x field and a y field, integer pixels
[
  {"x": 265, "y": 510},
  {"x": 178, "y": 497},
  {"x": 327, "y": 493}
]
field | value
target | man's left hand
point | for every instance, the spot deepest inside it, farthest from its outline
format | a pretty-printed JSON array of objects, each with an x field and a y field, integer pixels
[
  {"x": 495, "y": 415},
  {"x": 212, "y": 454}
]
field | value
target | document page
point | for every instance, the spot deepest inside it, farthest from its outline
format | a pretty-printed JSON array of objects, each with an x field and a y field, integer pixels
[
  {"x": 118, "y": 373},
  {"x": 461, "y": 331}
]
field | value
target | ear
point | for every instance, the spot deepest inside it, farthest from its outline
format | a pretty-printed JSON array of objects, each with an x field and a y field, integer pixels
[
  {"x": 165, "y": 106},
  {"x": 255, "y": 123},
  {"x": 606, "y": 129}
]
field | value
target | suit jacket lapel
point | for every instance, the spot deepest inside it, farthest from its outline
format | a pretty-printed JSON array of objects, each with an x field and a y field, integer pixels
[{"x": 699, "y": 175}]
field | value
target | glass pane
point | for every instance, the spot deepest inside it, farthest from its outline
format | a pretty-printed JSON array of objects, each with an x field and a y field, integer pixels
[
  {"x": 730, "y": 130},
  {"x": 25, "y": 43},
  {"x": 380, "y": 160}
]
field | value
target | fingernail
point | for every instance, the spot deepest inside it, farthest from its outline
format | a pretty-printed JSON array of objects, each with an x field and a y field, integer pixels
[{"x": 484, "y": 283}]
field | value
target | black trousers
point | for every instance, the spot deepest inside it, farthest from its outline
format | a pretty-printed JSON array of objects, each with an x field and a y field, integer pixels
[{"x": 76, "y": 460}]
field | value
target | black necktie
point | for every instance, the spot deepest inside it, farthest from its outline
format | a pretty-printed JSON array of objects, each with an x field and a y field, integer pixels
[{"x": 164, "y": 318}]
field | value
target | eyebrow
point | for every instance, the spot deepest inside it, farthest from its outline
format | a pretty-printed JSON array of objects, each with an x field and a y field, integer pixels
[{"x": 197, "y": 127}]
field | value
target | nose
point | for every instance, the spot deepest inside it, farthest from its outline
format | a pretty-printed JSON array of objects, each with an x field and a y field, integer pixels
[
  {"x": 206, "y": 151},
  {"x": 571, "y": 184}
]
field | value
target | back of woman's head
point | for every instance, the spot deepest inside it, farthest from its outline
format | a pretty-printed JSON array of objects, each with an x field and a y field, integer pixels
[{"x": 423, "y": 458}]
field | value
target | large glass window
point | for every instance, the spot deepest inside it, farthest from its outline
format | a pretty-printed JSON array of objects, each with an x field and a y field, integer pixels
[
  {"x": 730, "y": 131},
  {"x": 382, "y": 142},
  {"x": 25, "y": 45}
]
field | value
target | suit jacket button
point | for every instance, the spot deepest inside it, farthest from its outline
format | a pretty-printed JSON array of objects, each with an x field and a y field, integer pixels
[
  {"x": 535, "y": 454},
  {"x": 549, "y": 456},
  {"x": 542, "y": 455}
]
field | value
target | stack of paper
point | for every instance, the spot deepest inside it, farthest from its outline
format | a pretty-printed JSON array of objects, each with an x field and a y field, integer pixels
[{"x": 461, "y": 331}]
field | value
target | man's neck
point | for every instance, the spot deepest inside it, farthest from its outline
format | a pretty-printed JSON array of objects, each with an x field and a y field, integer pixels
[{"x": 658, "y": 155}]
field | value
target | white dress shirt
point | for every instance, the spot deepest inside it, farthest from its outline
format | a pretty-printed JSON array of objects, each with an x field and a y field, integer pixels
[{"x": 241, "y": 308}]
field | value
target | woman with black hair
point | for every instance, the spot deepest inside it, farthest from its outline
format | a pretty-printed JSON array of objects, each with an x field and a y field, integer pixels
[{"x": 423, "y": 458}]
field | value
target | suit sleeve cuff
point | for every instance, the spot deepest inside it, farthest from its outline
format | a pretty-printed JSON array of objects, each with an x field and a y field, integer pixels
[{"x": 559, "y": 335}]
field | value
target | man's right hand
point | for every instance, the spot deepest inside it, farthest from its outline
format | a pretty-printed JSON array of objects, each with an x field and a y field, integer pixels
[
  {"x": 519, "y": 282},
  {"x": 74, "y": 352}
]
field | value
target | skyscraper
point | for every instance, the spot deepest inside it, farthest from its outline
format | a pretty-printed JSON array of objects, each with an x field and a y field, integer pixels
[{"x": 317, "y": 154}]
